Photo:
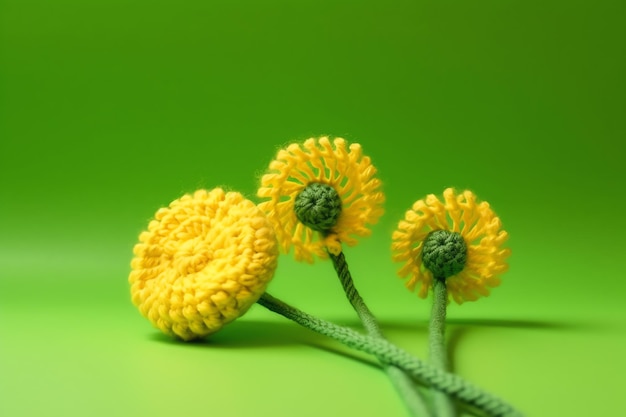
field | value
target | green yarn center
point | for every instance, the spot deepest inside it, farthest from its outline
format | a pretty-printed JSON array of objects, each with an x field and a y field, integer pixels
[
  {"x": 444, "y": 253},
  {"x": 318, "y": 206}
]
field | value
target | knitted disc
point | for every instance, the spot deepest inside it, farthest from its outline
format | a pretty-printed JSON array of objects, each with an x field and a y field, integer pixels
[
  {"x": 444, "y": 253},
  {"x": 318, "y": 206},
  {"x": 202, "y": 263}
]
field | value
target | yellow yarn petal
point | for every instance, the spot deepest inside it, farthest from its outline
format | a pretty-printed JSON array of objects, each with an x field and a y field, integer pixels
[{"x": 202, "y": 263}]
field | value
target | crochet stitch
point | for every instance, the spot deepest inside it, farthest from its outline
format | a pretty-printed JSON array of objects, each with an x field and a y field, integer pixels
[
  {"x": 318, "y": 206},
  {"x": 444, "y": 253},
  {"x": 203, "y": 261}
]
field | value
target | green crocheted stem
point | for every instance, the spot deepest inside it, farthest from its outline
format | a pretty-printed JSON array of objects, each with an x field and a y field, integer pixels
[
  {"x": 403, "y": 383},
  {"x": 386, "y": 352},
  {"x": 318, "y": 206},
  {"x": 367, "y": 318},
  {"x": 437, "y": 344}
]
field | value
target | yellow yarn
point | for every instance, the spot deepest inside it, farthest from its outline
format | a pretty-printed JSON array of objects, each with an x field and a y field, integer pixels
[
  {"x": 481, "y": 229},
  {"x": 203, "y": 261},
  {"x": 344, "y": 168}
]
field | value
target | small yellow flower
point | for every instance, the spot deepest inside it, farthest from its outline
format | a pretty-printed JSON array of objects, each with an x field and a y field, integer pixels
[
  {"x": 482, "y": 257},
  {"x": 202, "y": 263},
  {"x": 321, "y": 194}
]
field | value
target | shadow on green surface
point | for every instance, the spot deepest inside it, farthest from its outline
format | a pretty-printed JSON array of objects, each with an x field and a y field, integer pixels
[
  {"x": 249, "y": 334},
  {"x": 406, "y": 325},
  {"x": 252, "y": 334},
  {"x": 256, "y": 333}
]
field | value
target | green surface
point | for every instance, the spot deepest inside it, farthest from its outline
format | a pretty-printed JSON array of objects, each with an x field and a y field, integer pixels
[{"x": 111, "y": 109}]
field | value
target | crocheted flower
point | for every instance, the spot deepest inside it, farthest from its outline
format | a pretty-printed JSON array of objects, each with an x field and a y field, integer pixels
[
  {"x": 202, "y": 263},
  {"x": 459, "y": 240},
  {"x": 321, "y": 194}
]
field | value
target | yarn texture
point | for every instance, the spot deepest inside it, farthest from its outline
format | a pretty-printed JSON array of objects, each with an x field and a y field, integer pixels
[
  {"x": 479, "y": 227},
  {"x": 203, "y": 261},
  {"x": 318, "y": 206},
  {"x": 444, "y": 253},
  {"x": 320, "y": 161},
  {"x": 402, "y": 381},
  {"x": 443, "y": 405},
  {"x": 420, "y": 371}
]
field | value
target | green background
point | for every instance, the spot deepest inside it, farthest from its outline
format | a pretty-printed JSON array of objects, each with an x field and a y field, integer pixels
[{"x": 111, "y": 109}]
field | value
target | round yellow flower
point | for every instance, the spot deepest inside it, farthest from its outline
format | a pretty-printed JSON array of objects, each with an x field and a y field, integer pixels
[
  {"x": 481, "y": 249},
  {"x": 334, "y": 189},
  {"x": 203, "y": 261}
]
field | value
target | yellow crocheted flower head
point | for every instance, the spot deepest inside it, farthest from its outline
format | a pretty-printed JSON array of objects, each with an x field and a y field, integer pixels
[
  {"x": 321, "y": 194},
  {"x": 203, "y": 261},
  {"x": 473, "y": 236}
]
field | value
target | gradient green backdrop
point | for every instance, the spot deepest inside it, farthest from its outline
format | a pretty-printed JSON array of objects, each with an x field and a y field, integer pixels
[{"x": 111, "y": 109}]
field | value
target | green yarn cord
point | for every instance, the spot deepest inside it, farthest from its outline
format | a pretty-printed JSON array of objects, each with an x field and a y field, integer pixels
[
  {"x": 318, "y": 206},
  {"x": 437, "y": 344},
  {"x": 402, "y": 382},
  {"x": 386, "y": 352}
]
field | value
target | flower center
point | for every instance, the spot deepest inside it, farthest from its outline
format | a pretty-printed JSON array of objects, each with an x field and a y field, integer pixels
[
  {"x": 318, "y": 206},
  {"x": 192, "y": 256},
  {"x": 444, "y": 253}
]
